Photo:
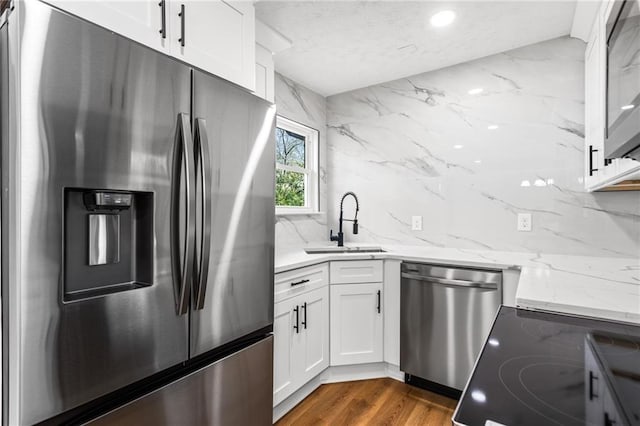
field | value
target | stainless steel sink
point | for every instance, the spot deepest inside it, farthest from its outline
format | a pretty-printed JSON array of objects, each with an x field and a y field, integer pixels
[{"x": 337, "y": 250}]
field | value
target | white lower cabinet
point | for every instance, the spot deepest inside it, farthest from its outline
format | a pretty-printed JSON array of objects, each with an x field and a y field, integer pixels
[
  {"x": 356, "y": 323},
  {"x": 301, "y": 341}
]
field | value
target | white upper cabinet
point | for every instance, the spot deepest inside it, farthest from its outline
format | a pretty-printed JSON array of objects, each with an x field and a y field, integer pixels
[
  {"x": 599, "y": 174},
  {"x": 265, "y": 74},
  {"x": 139, "y": 20},
  {"x": 216, "y": 36},
  {"x": 213, "y": 35},
  {"x": 594, "y": 107}
]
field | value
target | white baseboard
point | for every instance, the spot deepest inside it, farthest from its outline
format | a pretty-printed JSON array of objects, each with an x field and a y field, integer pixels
[
  {"x": 336, "y": 374},
  {"x": 393, "y": 371},
  {"x": 296, "y": 398}
]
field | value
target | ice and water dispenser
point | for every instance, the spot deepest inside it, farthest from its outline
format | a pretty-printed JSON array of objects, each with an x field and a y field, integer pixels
[{"x": 108, "y": 242}]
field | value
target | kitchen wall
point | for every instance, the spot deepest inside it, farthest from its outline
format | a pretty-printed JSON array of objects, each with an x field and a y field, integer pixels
[
  {"x": 300, "y": 104},
  {"x": 423, "y": 146}
]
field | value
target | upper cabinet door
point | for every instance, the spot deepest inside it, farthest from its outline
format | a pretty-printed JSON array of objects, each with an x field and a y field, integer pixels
[
  {"x": 216, "y": 36},
  {"x": 594, "y": 108},
  {"x": 139, "y": 20}
]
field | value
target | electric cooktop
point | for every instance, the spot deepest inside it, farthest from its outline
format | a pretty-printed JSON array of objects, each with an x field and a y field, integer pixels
[{"x": 541, "y": 368}]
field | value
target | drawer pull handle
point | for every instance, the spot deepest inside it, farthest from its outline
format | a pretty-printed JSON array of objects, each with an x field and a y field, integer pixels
[{"x": 299, "y": 282}]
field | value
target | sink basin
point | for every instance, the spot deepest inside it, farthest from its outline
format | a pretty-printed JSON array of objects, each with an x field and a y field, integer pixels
[{"x": 351, "y": 249}]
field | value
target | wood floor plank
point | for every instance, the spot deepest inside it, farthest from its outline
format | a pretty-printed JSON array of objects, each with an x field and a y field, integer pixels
[{"x": 385, "y": 402}]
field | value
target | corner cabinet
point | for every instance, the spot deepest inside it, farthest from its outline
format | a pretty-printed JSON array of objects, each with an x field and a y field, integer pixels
[
  {"x": 213, "y": 35},
  {"x": 356, "y": 312},
  {"x": 602, "y": 175},
  {"x": 300, "y": 328}
]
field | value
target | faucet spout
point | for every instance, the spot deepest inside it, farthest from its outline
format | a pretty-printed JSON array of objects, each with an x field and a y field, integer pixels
[{"x": 340, "y": 237}]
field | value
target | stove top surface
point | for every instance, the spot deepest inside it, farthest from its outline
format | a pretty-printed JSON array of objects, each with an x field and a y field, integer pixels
[{"x": 532, "y": 369}]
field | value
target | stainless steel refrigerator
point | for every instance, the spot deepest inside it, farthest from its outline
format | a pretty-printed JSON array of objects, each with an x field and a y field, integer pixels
[{"x": 137, "y": 232}]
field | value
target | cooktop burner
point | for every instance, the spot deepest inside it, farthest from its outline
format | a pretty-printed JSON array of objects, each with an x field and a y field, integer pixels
[{"x": 532, "y": 370}]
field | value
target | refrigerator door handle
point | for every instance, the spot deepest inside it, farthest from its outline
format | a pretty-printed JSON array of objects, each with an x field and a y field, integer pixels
[
  {"x": 183, "y": 161},
  {"x": 203, "y": 173}
]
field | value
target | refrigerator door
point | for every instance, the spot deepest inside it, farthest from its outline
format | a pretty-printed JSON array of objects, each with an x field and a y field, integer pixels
[
  {"x": 100, "y": 112},
  {"x": 236, "y": 390},
  {"x": 234, "y": 285}
]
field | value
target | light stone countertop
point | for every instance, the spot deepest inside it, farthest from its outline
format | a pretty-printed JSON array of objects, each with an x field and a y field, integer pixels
[{"x": 602, "y": 287}]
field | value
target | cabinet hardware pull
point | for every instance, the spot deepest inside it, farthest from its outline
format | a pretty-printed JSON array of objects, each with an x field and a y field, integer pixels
[
  {"x": 299, "y": 282},
  {"x": 591, "y": 151},
  {"x": 378, "y": 308},
  {"x": 592, "y": 377},
  {"x": 297, "y": 326},
  {"x": 304, "y": 322},
  {"x": 608, "y": 421},
  {"x": 163, "y": 18},
  {"x": 182, "y": 24}
]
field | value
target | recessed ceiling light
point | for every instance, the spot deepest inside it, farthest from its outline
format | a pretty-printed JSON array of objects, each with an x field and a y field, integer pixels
[
  {"x": 478, "y": 161},
  {"x": 626, "y": 107},
  {"x": 549, "y": 181},
  {"x": 492, "y": 127},
  {"x": 475, "y": 91},
  {"x": 525, "y": 183},
  {"x": 458, "y": 146},
  {"x": 442, "y": 18},
  {"x": 540, "y": 182}
]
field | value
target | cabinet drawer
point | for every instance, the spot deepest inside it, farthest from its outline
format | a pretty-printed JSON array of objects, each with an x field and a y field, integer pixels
[
  {"x": 355, "y": 271},
  {"x": 297, "y": 281}
]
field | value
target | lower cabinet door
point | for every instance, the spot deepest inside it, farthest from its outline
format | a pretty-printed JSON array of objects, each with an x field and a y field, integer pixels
[
  {"x": 356, "y": 323},
  {"x": 301, "y": 336},
  {"x": 315, "y": 316},
  {"x": 286, "y": 348}
]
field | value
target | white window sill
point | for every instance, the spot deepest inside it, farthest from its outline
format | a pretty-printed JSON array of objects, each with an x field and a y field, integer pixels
[{"x": 298, "y": 213}]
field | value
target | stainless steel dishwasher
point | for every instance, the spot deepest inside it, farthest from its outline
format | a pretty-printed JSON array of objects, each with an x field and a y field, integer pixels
[{"x": 446, "y": 313}]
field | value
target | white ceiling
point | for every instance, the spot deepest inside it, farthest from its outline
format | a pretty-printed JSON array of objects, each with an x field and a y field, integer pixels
[{"x": 344, "y": 45}]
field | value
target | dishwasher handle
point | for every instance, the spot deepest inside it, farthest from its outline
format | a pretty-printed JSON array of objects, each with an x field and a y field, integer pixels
[{"x": 450, "y": 282}]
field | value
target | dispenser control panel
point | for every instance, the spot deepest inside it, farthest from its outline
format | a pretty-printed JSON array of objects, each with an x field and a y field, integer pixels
[{"x": 96, "y": 200}]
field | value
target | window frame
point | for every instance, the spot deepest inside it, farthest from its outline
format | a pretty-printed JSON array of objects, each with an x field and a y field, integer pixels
[{"x": 310, "y": 171}]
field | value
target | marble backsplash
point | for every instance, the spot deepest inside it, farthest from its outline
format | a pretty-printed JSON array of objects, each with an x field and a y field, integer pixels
[
  {"x": 422, "y": 146},
  {"x": 300, "y": 104}
]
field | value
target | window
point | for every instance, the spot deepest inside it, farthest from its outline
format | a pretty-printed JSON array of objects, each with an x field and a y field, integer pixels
[{"x": 296, "y": 167}]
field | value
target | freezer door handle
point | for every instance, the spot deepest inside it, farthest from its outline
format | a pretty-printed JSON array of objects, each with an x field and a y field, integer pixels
[
  {"x": 183, "y": 161},
  {"x": 203, "y": 179}
]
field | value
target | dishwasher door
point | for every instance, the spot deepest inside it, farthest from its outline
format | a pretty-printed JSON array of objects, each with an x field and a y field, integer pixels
[{"x": 446, "y": 314}]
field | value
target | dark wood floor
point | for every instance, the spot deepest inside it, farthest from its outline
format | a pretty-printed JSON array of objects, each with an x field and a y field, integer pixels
[{"x": 371, "y": 402}]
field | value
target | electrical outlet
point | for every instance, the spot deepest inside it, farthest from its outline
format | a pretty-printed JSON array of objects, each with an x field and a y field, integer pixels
[
  {"x": 524, "y": 222},
  {"x": 416, "y": 223}
]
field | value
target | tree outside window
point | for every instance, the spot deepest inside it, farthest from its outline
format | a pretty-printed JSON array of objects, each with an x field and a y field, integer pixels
[{"x": 296, "y": 167}]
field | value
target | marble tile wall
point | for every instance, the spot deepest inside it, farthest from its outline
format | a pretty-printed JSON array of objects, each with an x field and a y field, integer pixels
[
  {"x": 302, "y": 105},
  {"x": 423, "y": 146}
]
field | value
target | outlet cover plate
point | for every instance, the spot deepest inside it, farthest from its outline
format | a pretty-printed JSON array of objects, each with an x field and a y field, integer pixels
[
  {"x": 416, "y": 223},
  {"x": 524, "y": 222}
]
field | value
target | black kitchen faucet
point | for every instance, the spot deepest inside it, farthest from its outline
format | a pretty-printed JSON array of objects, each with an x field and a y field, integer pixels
[{"x": 340, "y": 237}]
